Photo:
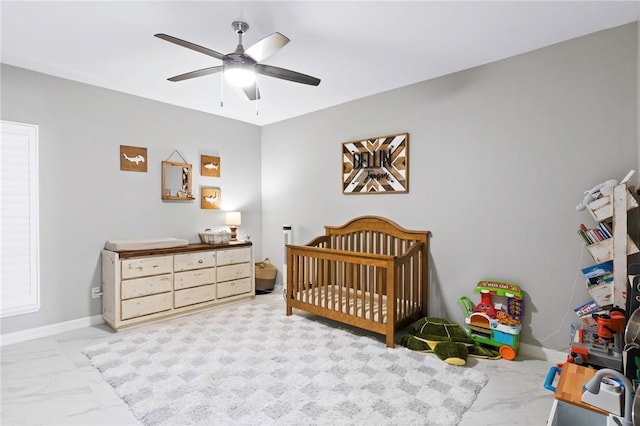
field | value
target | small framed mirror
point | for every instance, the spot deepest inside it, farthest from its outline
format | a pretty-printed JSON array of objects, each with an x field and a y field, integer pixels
[{"x": 176, "y": 181}]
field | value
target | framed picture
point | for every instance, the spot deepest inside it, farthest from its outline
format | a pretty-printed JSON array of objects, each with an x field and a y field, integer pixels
[
  {"x": 133, "y": 158},
  {"x": 377, "y": 165},
  {"x": 210, "y": 198},
  {"x": 209, "y": 166}
]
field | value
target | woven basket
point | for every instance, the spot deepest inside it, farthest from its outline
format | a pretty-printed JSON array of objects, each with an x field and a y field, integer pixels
[
  {"x": 209, "y": 237},
  {"x": 265, "y": 275}
]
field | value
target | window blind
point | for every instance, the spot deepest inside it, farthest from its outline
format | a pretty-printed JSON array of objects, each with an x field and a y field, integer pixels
[{"x": 19, "y": 272}]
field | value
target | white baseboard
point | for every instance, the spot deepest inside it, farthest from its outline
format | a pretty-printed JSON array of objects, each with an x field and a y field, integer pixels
[
  {"x": 49, "y": 330},
  {"x": 545, "y": 354}
]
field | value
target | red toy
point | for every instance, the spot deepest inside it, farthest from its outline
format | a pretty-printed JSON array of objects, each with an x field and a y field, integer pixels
[{"x": 485, "y": 304}]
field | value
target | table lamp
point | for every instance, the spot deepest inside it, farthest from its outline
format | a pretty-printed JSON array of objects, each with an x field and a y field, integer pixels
[{"x": 233, "y": 220}]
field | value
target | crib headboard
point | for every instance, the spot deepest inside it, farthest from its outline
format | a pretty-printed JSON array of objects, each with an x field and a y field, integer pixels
[{"x": 374, "y": 234}]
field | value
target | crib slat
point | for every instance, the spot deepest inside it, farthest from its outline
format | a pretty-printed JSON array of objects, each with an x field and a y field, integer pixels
[
  {"x": 298, "y": 278},
  {"x": 351, "y": 291},
  {"x": 385, "y": 244},
  {"x": 303, "y": 278},
  {"x": 308, "y": 277},
  {"x": 345, "y": 295},
  {"x": 334, "y": 281},
  {"x": 407, "y": 297},
  {"x": 363, "y": 293},
  {"x": 347, "y": 291},
  {"x": 325, "y": 283},
  {"x": 399, "y": 289},
  {"x": 313, "y": 272},
  {"x": 368, "y": 278},
  {"x": 417, "y": 296},
  {"x": 379, "y": 294},
  {"x": 340, "y": 283},
  {"x": 406, "y": 293},
  {"x": 350, "y": 274}
]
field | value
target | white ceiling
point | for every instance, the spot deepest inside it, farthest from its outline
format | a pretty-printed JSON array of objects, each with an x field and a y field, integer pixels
[{"x": 357, "y": 48}]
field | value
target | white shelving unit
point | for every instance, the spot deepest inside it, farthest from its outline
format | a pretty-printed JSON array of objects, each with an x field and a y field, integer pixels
[{"x": 614, "y": 208}]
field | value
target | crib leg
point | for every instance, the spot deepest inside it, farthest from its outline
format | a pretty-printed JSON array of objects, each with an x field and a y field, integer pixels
[
  {"x": 289, "y": 310},
  {"x": 391, "y": 340}
]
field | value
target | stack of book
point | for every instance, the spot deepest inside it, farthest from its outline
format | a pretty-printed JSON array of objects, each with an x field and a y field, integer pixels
[
  {"x": 600, "y": 283},
  {"x": 600, "y": 233},
  {"x": 585, "y": 312}
]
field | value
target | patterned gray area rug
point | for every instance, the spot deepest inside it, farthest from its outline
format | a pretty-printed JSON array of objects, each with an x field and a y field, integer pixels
[{"x": 250, "y": 364}]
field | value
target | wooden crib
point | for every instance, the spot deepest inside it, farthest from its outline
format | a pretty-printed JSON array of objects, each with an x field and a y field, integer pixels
[{"x": 370, "y": 273}]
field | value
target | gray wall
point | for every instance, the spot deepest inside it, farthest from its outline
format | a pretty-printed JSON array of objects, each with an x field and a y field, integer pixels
[
  {"x": 499, "y": 158},
  {"x": 84, "y": 197}
]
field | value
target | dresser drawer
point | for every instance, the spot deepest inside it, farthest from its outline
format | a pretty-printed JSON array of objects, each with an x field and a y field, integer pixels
[
  {"x": 194, "y": 295},
  {"x": 145, "y": 305},
  {"x": 233, "y": 272},
  {"x": 231, "y": 288},
  {"x": 194, "y": 278},
  {"x": 132, "y": 268},
  {"x": 231, "y": 256},
  {"x": 145, "y": 286},
  {"x": 198, "y": 260}
]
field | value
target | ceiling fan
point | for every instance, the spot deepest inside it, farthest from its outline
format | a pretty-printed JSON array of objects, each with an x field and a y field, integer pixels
[{"x": 241, "y": 66}]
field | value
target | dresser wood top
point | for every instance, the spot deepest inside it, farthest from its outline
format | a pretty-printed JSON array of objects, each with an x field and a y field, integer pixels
[{"x": 126, "y": 254}]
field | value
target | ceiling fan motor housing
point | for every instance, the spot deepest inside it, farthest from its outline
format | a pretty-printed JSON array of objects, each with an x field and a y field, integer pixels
[
  {"x": 239, "y": 59},
  {"x": 240, "y": 27}
]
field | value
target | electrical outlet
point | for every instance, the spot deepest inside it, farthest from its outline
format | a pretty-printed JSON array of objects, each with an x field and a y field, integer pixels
[{"x": 96, "y": 292}]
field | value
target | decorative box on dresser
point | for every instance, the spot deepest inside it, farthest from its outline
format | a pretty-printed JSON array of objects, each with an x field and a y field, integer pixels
[{"x": 142, "y": 286}]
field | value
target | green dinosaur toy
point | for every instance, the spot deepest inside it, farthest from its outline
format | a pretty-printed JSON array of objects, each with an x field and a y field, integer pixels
[{"x": 447, "y": 339}]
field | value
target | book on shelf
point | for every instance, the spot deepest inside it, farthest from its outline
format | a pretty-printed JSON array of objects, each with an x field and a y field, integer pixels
[
  {"x": 600, "y": 280},
  {"x": 585, "y": 312},
  {"x": 584, "y": 236},
  {"x": 600, "y": 233},
  {"x": 594, "y": 272},
  {"x": 606, "y": 229},
  {"x": 586, "y": 308}
]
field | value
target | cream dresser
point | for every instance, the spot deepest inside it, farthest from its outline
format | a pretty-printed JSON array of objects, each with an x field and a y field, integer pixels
[{"x": 142, "y": 286}]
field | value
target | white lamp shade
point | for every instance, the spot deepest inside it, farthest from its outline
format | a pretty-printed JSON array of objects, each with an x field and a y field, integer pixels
[{"x": 233, "y": 219}]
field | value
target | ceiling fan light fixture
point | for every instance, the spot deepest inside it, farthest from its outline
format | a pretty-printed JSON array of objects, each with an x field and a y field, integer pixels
[{"x": 239, "y": 76}]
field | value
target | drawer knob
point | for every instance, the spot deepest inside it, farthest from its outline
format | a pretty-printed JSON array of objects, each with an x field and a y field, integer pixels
[{"x": 200, "y": 261}]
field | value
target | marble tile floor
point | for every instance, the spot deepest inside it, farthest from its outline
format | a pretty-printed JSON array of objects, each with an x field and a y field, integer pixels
[{"x": 48, "y": 381}]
